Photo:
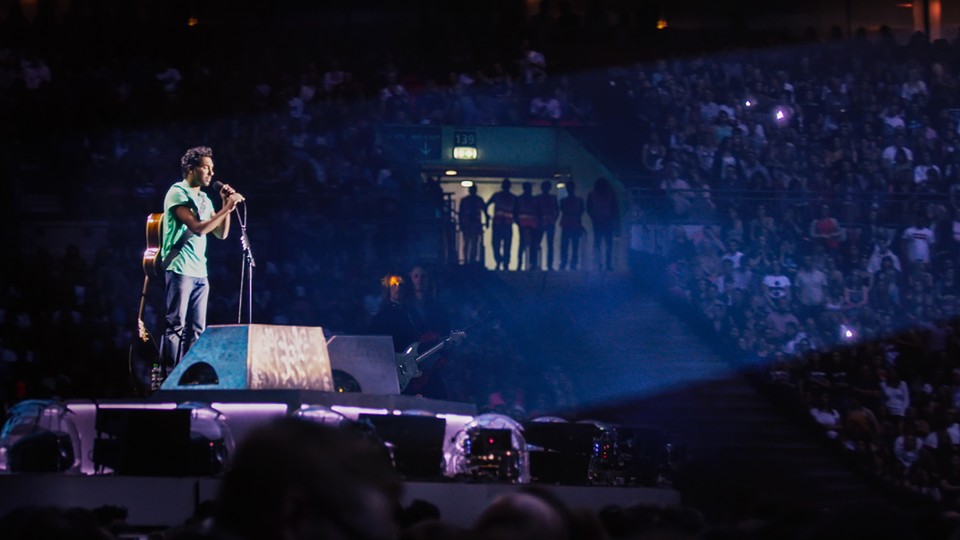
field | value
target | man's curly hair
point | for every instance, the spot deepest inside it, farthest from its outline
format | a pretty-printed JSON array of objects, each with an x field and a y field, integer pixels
[{"x": 193, "y": 156}]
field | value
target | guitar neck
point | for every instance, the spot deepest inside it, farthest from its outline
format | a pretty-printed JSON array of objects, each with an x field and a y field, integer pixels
[
  {"x": 438, "y": 346},
  {"x": 143, "y": 297},
  {"x": 433, "y": 349}
]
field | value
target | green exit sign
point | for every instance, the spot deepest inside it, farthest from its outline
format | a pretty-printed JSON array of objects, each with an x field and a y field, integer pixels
[{"x": 464, "y": 145}]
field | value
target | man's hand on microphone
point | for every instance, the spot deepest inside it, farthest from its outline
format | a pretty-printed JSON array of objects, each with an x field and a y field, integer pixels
[
  {"x": 224, "y": 189},
  {"x": 229, "y": 195},
  {"x": 232, "y": 200}
]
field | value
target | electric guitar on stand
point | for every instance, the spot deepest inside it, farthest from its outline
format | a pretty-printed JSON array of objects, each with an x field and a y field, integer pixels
[
  {"x": 411, "y": 373},
  {"x": 408, "y": 362}
]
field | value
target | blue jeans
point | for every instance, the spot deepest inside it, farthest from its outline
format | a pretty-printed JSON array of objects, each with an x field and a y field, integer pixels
[{"x": 186, "y": 315}]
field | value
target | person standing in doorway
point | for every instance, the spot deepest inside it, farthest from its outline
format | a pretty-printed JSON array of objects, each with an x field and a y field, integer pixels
[
  {"x": 571, "y": 227},
  {"x": 528, "y": 221},
  {"x": 473, "y": 219},
  {"x": 504, "y": 209},
  {"x": 549, "y": 210}
]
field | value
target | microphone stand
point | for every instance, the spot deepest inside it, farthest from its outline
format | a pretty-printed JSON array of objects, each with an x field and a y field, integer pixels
[{"x": 246, "y": 271}]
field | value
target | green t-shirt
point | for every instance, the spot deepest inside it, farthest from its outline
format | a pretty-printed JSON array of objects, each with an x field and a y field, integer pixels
[{"x": 192, "y": 260}]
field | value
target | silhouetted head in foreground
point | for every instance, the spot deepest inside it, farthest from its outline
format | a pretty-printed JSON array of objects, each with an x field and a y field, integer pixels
[{"x": 294, "y": 479}]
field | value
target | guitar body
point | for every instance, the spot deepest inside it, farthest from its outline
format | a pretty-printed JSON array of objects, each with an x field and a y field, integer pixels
[
  {"x": 151, "y": 255},
  {"x": 407, "y": 367},
  {"x": 417, "y": 385},
  {"x": 427, "y": 366}
]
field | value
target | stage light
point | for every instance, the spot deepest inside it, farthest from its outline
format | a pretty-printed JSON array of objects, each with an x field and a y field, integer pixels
[
  {"x": 489, "y": 447},
  {"x": 780, "y": 115},
  {"x": 353, "y": 412},
  {"x": 550, "y": 420},
  {"x": 450, "y": 172},
  {"x": 466, "y": 183},
  {"x": 607, "y": 462},
  {"x": 847, "y": 333},
  {"x": 211, "y": 441},
  {"x": 40, "y": 436},
  {"x": 321, "y": 415}
]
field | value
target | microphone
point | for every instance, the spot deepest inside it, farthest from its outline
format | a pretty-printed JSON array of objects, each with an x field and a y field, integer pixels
[{"x": 218, "y": 185}]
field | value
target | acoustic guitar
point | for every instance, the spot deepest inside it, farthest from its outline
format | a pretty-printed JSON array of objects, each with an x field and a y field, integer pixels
[{"x": 144, "y": 357}]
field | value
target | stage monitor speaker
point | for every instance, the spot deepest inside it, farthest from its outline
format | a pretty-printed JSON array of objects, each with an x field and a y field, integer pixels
[
  {"x": 561, "y": 437},
  {"x": 368, "y": 360},
  {"x": 144, "y": 442},
  {"x": 566, "y": 451},
  {"x": 416, "y": 442},
  {"x": 255, "y": 357}
]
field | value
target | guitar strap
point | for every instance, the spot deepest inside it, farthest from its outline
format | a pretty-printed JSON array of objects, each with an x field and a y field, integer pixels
[{"x": 175, "y": 250}]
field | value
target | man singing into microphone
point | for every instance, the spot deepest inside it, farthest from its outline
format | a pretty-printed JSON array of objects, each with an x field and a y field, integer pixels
[{"x": 188, "y": 217}]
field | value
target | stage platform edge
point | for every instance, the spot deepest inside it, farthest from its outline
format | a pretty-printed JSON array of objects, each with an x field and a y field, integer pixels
[
  {"x": 295, "y": 398},
  {"x": 169, "y": 501}
]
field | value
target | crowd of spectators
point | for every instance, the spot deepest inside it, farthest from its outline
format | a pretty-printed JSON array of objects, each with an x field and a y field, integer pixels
[{"x": 801, "y": 204}]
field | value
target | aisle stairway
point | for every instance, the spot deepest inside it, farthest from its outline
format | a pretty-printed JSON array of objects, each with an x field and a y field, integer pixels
[{"x": 637, "y": 364}]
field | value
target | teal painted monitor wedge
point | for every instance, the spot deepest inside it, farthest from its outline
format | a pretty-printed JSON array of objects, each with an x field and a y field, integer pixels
[{"x": 255, "y": 357}]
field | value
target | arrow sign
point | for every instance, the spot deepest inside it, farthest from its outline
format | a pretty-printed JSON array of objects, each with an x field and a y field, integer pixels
[{"x": 416, "y": 143}]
